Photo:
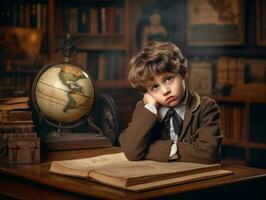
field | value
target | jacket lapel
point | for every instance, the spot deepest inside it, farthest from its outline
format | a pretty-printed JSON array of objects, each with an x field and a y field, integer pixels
[{"x": 192, "y": 105}]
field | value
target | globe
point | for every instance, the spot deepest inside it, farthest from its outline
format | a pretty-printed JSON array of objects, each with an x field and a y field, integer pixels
[{"x": 63, "y": 92}]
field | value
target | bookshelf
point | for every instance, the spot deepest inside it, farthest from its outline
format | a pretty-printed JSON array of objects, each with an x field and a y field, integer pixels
[
  {"x": 243, "y": 124},
  {"x": 106, "y": 43},
  {"x": 16, "y": 83},
  {"x": 99, "y": 28}
]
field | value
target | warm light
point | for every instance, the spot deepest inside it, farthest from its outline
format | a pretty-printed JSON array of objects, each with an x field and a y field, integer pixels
[{"x": 33, "y": 37}]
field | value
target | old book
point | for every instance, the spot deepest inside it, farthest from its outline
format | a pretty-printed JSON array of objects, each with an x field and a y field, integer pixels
[
  {"x": 14, "y": 103},
  {"x": 117, "y": 171},
  {"x": 14, "y": 106},
  {"x": 7, "y": 136},
  {"x": 222, "y": 70},
  {"x": 17, "y": 127},
  {"x": 15, "y": 115},
  {"x": 14, "y": 100},
  {"x": 101, "y": 68},
  {"x": 232, "y": 71},
  {"x": 73, "y": 20},
  {"x": 23, "y": 150}
]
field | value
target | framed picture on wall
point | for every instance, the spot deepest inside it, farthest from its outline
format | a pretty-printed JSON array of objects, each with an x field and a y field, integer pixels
[
  {"x": 157, "y": 22},
  {"x": 260, "y": 22},
  {"x": 211, "y": 22}
]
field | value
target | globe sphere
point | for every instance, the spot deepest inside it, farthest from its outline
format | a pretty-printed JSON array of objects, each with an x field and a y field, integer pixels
[{"x": 64, "y": 93}]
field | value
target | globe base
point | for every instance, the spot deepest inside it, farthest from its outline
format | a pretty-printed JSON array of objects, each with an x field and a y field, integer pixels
[{"x": 67, "y": 141}]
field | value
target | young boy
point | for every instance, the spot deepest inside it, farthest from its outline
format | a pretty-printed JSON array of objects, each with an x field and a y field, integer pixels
[{"x": 171, "y": 122}]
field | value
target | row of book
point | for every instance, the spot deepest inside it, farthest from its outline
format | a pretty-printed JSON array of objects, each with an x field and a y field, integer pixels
[
  {"x": 29, "y": 15},
  {"x": 236, "y": 71},
  {"x": 85, "y": 18},
  {"x": 15, "y": 85},
  {"x": 102, "y": 65},
  {"x": 106, "y": 65},
  {"x": 232, "y": 122}
]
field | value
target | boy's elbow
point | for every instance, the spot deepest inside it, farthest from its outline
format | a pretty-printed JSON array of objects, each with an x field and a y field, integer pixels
[
  {"x": 131, "y": 151},
  {"x": 133, "y": 155},
  {"x": 209, "y": 160},
  {"x": 211, "y": 157}
]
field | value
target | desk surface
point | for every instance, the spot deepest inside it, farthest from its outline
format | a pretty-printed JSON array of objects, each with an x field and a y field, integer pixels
[{"x": 35, "y": 182}]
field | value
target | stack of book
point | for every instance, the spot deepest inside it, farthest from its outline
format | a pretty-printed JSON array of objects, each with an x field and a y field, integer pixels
[{"x": 18, "y": 131}]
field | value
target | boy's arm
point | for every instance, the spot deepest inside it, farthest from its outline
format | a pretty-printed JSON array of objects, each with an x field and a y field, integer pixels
[
  {"x": 135, "y": 140},
  {"x": 205, "y": 144}
]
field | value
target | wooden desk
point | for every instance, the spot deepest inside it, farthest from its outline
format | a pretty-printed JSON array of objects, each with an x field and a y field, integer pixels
[{"x": 34, "y": 182}]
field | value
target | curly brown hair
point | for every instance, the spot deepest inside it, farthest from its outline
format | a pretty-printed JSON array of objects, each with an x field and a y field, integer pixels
[{"x": 156, "y": 58}]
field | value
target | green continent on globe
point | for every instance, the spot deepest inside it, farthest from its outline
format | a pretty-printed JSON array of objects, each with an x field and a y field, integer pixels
[{"x": 69, "y": 77}]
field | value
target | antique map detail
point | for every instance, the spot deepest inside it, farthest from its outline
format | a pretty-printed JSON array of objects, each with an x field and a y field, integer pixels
[
  {"x": 69, "y": 77},
  {"x": 215, "y": 22}
]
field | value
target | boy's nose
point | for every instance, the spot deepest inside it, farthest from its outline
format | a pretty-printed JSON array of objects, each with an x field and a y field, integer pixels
[{"x": 165, "y": 90}]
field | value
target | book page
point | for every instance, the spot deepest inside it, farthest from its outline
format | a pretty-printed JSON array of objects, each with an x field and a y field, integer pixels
[
  {"x": 178, "y": 180},
  {"x": 71, "y": 167},
  {"x": 116, "y": 167},
  {"x": 147, "y": 170}
]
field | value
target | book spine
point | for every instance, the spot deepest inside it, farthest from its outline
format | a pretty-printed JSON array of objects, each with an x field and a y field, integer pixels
[
  {"x": 39, "y": 16},
  {"x": 103, "y": 20},
  {"x": 26, "y": 13},
  {"x": 99, "y": 20},
  {"x": 33, "y": 15},
  {"x": 92, "y": 61},
  {"x": 7, "y": 136},
  {"x": 16, "y": 129},
  {"x": 66, "y": 18},
  {"x": 222, "y": 67},
  {"x": 73, "y": 20},
  {"x": 82, "y": 20},
  {"x": 101, "y": 68},
  {"x": 14, "y": 13},
  {"x": 93, "y": 21},
  {"x": 21, "y": 16},
  {"x": 59, "y": 17}
]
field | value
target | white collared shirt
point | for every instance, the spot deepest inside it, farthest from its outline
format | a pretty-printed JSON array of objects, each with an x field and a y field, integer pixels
[{"x": 180, "y": 109}]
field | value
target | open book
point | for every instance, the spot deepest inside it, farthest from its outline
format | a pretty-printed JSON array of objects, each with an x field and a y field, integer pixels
[{"x": 116, "y": 170}]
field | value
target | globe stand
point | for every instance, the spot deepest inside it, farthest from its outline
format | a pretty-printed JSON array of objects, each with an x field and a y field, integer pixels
[
  {"x": 54, "y": 134},
  {"x": 62, "y": 139}
]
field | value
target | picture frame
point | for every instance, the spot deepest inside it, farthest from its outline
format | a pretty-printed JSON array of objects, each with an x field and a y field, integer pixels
[
  {"x": 19, "y": 45},
  {"x": 215, "y": 23},
  {"x": 260, "y": 22},
  {"x": 157, "y": 21},
  {"x": 200, "y": 77}
]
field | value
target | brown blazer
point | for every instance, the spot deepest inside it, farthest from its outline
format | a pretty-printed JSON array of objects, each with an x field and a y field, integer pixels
[{"x": 200, "y": 139}]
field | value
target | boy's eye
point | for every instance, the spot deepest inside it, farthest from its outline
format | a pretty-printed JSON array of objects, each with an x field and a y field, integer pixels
[
  {"x": 168, "y": 78},
  {"x": 154, "y": 87}
]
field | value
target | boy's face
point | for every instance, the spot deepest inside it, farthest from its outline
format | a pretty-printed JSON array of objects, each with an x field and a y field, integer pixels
[{"x": 167, "y": 89}]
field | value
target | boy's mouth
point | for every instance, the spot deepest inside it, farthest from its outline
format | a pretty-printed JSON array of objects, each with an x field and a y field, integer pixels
[{"x": 169, "y": 99}]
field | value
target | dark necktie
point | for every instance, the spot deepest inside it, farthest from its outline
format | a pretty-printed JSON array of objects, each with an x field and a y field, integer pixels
[{"x": 177, "y": 121}]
